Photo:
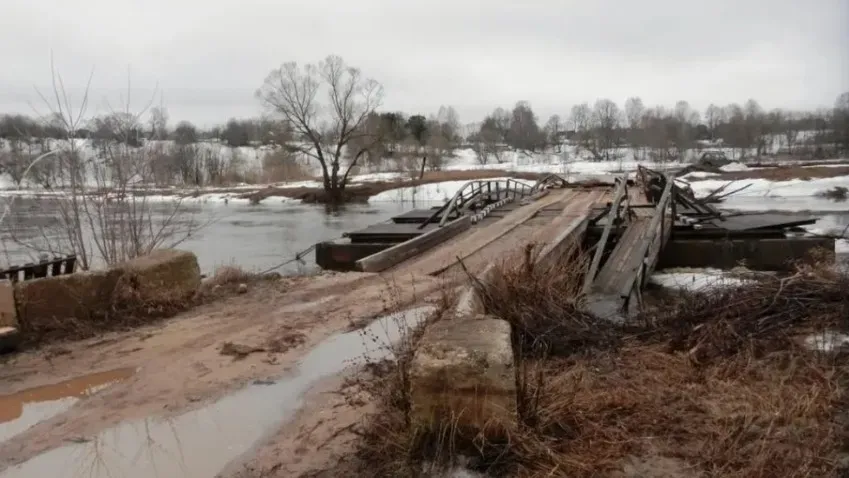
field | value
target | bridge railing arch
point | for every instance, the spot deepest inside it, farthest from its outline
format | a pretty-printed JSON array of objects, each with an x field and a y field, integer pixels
[{"x": 476, "y": 190}]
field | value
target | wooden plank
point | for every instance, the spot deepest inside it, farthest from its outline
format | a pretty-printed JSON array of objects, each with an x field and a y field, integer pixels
[
  {"x": 569, "y": 235},
  {"x": 484, "y": 236},
  {"x": 602, "y": 243},
  {"x": 401, "y": 252},
  {"x": 610, "y": 277},
  {"x": 656, "y": 228}
]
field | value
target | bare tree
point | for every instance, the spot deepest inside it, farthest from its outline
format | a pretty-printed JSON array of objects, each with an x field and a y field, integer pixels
[
  {"x": 714, "y": 116},
  {"x": 658, "y": 129},
  {"x": 498, "y": 122},
  {"x": 634, "y": 110},
  {"x": 487, "y": 143},
  {"x": 158, "y": 122},
  {"x": 606, "y": 119},
  {"x": 554, "y": 129},
  {"x": 581, "y": 122},
  {"x": 449, "y": 122},
  {"x": 324, "y": 129},
  {"x": 735, "y": 131},
  {"x": 754, "y": 126},
  {"x": 524, "y": 133},
  {"x": 685, "y": 119}
]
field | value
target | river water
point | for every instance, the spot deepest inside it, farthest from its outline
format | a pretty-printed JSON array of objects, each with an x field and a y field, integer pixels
[
  {"x": 255, "y": 237},
  {"x": 259, "y": 237}
]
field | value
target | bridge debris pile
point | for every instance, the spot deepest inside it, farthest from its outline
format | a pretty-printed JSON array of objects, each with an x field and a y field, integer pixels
[{"x": 761, "y": 315}]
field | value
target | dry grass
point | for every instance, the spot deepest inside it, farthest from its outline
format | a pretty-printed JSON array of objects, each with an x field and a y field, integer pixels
[
  {"x": 541, "y": 302},
  {"x": 716, "y": 385}
]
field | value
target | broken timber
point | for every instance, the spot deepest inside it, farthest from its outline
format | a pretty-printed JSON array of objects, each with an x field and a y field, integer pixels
[{"x": 609, "y": 292}]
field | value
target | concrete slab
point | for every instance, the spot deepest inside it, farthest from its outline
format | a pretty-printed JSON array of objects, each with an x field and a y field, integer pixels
[{"x": 463, "y": 374}]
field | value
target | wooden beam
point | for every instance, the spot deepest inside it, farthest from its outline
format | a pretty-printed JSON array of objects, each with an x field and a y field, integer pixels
[
  {"x": 647, "y": 257},
  {"x": 407, "y": 249},
  {"x": 599, "y": 251}
]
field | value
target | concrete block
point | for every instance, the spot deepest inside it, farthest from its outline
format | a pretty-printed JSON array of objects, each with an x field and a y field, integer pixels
[
  {"x": 8, "y": 311},
  {"x": 58, "y": 304},
  {"x": 463, "y": 374},
  {"x": 164, "y": 276}
]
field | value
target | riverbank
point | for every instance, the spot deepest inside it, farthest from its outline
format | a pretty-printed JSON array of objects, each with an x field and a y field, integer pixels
[{"x": 748, "y": 377}]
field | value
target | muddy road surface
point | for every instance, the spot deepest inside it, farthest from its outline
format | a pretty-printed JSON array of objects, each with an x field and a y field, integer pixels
[{"x": 252, "y": 385}]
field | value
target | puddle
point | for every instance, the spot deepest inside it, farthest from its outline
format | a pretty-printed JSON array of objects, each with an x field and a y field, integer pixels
[
  {"x": 200, "y": 443},
  {"x": 694, "y": 279},
  {"x": 22, "y": 410}
]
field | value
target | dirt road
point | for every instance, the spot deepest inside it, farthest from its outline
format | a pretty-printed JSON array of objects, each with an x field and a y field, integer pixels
[{"x": 270, "y": 330}]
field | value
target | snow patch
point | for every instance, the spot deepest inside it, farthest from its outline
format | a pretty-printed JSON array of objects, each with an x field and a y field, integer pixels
[
  {"x": 827, "y": 341},
  {"x": 695, "y": 279},
  {"x": 765, "y": 187},
  {"x": 735, "y": 166}
]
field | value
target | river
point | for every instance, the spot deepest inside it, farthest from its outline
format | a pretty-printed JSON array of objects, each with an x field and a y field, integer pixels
[
  {"x": 260, "y": 237},
  {"x": 255, "y": 237}
]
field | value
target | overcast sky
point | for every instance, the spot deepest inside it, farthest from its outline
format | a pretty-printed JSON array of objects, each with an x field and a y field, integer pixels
[{"x": 209, "y": 56}]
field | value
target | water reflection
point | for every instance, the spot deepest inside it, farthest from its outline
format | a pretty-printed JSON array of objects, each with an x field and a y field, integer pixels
[{"x": 20, "y": 411}]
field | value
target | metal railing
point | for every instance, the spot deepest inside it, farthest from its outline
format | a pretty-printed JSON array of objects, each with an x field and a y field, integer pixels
[
  {"x": 550, "y": 179},
  {"x": 46, "y": 268},
  {"x": 483, "y": 191}
]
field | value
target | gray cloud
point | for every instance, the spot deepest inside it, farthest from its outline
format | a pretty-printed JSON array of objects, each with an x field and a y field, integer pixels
[{"x": 209, "y": 57}]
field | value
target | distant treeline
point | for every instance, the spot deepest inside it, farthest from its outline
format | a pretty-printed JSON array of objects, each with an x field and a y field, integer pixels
[{"x": 599, "y": 129}]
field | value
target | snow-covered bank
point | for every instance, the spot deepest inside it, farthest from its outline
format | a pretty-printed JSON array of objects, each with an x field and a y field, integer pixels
[
  {"x": 765, "y": 187},
  {"x": 568, "y": 162},
  {"x": 442, "y": 191}
]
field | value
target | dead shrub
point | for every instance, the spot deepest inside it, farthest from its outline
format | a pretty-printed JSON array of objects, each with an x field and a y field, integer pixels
[
  {"x": 837, "y": 193},
  {"x": 761, "y": 316},
  {"x": 542, "y": 303},
  {"x": 712, "y": 385}
]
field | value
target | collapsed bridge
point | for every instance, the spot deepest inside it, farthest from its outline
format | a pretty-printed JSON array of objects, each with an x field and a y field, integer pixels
[
  {"x": 631, "y": 227},
  {"x": 463, "y": 373}
]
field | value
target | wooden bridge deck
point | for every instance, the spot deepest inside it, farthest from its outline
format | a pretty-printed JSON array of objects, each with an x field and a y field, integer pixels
[
  {"x": 490, "y": 239},
  {"x": 619, "y": 270},
  {"x": 611, "y": 292}
]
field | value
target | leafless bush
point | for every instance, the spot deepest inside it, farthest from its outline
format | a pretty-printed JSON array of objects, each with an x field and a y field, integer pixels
[
  {"x": 95, "y": 213},
  {"x": 541, "y": 302}
]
